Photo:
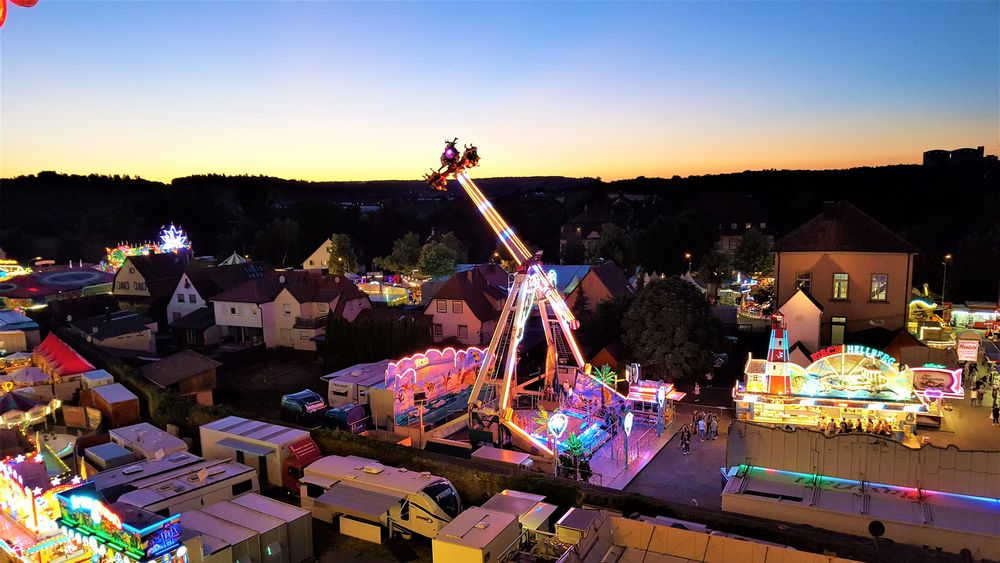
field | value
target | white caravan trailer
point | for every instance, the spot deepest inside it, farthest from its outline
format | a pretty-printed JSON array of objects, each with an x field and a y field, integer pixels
[{"x": 369, "y": 497}]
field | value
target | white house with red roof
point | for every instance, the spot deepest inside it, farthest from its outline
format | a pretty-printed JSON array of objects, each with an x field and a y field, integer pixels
[
  {"x": 465, "y": 309},
  {"x": 286, "y": 308}
]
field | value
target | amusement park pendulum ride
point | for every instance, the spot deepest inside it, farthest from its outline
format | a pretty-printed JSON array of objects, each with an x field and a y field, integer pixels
[{"x": 588, "y": 406}]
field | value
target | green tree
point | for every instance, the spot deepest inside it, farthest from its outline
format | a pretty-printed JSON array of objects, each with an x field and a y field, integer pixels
[
  {"x": 437, "y": 259},
  {"x": 404, "y": 256},
  {"x": 604, "y": 325},
  {"x": 713, "y": 269},
  {"x": 614, "y": 245},
  {"x": 342, "y": 259},
  {"x": 573, "y": 251},
  {"x": 671, "y": 329},
  {"x": 753, "y": 255},
  {"x": 278, "y": 241},
  {"x": 451, "y": 241}
]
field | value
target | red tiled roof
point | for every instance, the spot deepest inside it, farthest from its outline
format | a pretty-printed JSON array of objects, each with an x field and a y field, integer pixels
[
  {"x": 472, "y": 288},
  {"x": 612, "y": 277},
  {"x": 841, "y": 227},
  {"x": 63, "y": 359},
  {"x": 209, "y": 282},
  {"x": 304, "y": 287}
]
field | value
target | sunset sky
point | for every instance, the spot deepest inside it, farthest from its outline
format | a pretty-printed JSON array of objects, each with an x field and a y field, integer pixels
[{"x": 342, "y": 91}]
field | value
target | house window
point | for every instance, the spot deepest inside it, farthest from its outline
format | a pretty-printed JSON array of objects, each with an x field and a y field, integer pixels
[
  {"x": 287, "y": 309},
  {"x": 253, "y": 312},
  {"x": 131, "y": 270},
  {"x": 180, "y": 297},
  {"x": 192, "y": 337},
  {"x": 304, "y": 335},
  {"x": 323, "y": 308},
  {"x": 187, "y": 284},
  {"x": 438, "y": 330},
  {"x": 463, "y": 331},
  {"x": 122, "y": 285},
  {"x": 880, "y": 286},
  {"x": 733, "y": 226},
  {"x": 804, "y": 281},
  {"x": 141, "y": 286},
  {"x": 749, "y": 226},
  {"x": 442, "y": 306},
  {"x": 840, "y": 285},
  {"x": 763, "y": 226},
  {"x": 734, "y": 244},
  {"x": 285, "y": 334},
  {"x": 456, "y": 307},
  {"x": 232, "y": 310},
  {"x": 310, "y": 262},
  {"x": 192, "y": 298}
]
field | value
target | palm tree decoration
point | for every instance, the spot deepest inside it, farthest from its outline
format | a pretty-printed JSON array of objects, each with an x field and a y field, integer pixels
[
  {"x": 542, "y": 421},
  {"x": 608, "y": 377}
]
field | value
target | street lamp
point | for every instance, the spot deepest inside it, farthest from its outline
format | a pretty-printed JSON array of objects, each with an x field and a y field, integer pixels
[
  {"x": 944, "y": 276},
  {"x": 687, "y": 255}
]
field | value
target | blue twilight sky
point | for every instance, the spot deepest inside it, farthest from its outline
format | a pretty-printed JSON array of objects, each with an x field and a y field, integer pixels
[{"x": 368, "y": 90}]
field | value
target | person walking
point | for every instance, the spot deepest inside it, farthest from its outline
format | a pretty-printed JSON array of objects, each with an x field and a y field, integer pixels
[
  {"x": 996, "y": 414},
  {"x": 974, "y": 394},
  {"x": 701, "y": 429},
  {"x": 713, "y": 428}
]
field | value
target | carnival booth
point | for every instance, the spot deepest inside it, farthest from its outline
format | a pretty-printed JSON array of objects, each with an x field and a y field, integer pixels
[
  {"x": 844, "y": 383},
  {"x": 118, "y": 532},
  {"x": 442, "y": 379},
  {"x": 29, "y": 510}
]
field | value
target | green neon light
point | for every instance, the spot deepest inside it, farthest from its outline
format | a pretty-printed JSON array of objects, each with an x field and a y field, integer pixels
[{"x": 104, "y": 538}]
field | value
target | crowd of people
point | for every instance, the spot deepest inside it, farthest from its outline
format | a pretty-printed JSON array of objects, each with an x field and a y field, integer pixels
[
  {"x": 877, "y": 426},
  {"x": 706, "y": 425}
]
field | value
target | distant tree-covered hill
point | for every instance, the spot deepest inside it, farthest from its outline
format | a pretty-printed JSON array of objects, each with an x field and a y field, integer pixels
[{"x": 949, "y": 209}]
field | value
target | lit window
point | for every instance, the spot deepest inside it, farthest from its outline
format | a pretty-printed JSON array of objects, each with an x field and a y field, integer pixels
[
  {"x": 840, "y": 286},
  {"x": 749, "y": 226},
  {"x": 456, "y": 307},
  {"x": 803, "y": 280},
  {"x": 442, "y": 306},
  {"x": 463, "y": 331},
  {"x": 880, "y": 286}
]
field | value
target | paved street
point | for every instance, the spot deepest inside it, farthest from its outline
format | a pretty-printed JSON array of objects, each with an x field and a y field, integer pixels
[{"x": 693, "y": 478}]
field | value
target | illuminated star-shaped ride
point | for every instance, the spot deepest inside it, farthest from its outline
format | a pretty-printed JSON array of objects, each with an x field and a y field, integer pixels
[{"x": 173, "y": 239}]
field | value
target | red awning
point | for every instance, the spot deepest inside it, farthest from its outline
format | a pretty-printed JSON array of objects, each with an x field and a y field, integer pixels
[{"x": 61, "y": 358}]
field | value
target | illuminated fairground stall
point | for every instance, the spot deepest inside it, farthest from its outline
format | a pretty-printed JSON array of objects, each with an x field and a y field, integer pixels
[
  {"x": 10, "y": 269},
  {"x": 29, "y": 510},
  {"x": 502, "y": 409},
  {"x": 391, "y": 289},
  {"x": 849, "y": 382},
  {"x": 432, "y": 385},
  {"x": 172, "y": 239},
  {"x": 118, "y": 532}
]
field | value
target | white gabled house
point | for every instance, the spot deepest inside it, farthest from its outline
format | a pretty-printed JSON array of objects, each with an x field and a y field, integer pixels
[{"x": 286, "y": 309}]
